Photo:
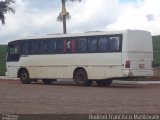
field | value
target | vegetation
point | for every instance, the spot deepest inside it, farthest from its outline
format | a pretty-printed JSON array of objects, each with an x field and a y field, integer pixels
[
  {"x": 156, "y": 62},
  {"x": 5, "y": 7},
  {"x": 3, "y": 51},
  {"x": 156, "y": 47}
]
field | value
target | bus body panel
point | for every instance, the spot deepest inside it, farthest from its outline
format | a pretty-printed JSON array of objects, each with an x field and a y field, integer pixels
[{"x": 97, "y": 66}]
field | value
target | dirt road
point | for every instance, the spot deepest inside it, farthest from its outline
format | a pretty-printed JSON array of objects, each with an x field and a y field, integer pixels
[{"x": 67, "y": 98}]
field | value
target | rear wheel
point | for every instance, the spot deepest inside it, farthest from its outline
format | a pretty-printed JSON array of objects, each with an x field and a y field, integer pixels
[
  {"x": 104, "y": 82},
  {"x": 48, "y": 81},
  {"x": 81, "y": 78},
  {"x": 24, "y": 77}
]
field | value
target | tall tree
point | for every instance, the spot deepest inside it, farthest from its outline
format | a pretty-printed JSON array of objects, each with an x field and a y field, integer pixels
[
  {"x": 5, "y": 7},
  {"x": 64, "y": 14}
]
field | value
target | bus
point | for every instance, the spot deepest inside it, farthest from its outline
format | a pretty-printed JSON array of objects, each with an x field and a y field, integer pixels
[{"x": 84, "y": 57}]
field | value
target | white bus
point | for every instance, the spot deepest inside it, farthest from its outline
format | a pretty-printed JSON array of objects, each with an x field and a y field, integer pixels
[{"x": 85, "y": 57}]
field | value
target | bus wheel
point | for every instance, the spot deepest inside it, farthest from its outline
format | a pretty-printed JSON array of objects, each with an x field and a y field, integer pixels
[
  {"x": 81, "y": 78},
  {"x": 104, "y": 82},
  {"x": 24, "y": 77},
  {"x": 47, "y": 81}
]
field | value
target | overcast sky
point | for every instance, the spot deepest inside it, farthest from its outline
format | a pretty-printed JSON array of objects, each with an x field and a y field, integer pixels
[{"x": 38, "y": 17}]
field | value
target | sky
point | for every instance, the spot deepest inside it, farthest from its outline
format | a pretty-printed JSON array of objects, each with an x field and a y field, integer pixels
[{"x": 39, "y": 17}]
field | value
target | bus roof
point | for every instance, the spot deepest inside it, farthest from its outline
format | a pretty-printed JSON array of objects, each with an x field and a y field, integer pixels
[{"x": 89, "y": 33}]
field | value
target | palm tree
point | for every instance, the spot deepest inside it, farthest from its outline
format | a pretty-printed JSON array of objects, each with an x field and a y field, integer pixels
[
  {"x": 64, "y": 15},
  {"x": 5, "y": 8}
]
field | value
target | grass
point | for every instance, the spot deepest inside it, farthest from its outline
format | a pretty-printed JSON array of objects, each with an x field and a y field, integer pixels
[{"x": 156, "y": 47}]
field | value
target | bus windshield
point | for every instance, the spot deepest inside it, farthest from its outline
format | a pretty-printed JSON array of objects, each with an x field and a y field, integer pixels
[{"x": 13, "y": 52}]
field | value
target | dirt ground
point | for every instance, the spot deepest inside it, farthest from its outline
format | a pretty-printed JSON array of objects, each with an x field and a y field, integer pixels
[{"x": 68, "y": 98}]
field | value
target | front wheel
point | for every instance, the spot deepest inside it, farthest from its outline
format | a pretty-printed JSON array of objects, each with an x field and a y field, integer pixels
[
  {"x": 81, "y": 78},
  {"x": 24, "y": 77},
  {"x": 104, "y": 82}
]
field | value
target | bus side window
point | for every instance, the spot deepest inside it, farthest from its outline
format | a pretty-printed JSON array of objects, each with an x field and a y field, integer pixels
[
  {"x": 69, "y": 46},
  {"x": 25, "y": 48},
  {"x": 51, "y": 46},
  {"x": 104, "y": 44},
  {"x": 115, "y": 44},
  {"x": 43, "y": 46},
  {"x": 60, "y": 46},
  {"x": 14, "y": 52},
  {"x": 35, "y": 47},
  {"x": 92, "y": 44},
  {"x": 81, "y": 45}
]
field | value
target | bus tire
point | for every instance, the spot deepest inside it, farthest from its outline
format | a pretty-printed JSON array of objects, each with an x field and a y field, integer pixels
[
  {"x": 24, "y": 77},
  {"x": 47, "y": 81},
  {"x": 104, "y": 82},
  {"x": 81, "y": 78}
]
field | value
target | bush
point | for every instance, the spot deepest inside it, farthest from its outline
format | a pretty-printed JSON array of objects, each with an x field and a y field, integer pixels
[
  {"x": 3, "y": 51},
  {"x": 156, "y": 49}
]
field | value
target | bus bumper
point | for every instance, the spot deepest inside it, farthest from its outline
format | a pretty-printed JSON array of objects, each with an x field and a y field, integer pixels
[{"x": 137, "y": 73}]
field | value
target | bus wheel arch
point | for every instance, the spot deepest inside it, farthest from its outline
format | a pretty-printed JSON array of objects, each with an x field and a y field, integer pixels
[
  {"x": 23, "y": 74},
  {"x": 81, "y": 77}
]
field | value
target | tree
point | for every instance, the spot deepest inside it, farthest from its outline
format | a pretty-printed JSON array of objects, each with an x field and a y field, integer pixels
[
  {"x": 5, "y": 8},
  {"x": 64, "y": 15}
]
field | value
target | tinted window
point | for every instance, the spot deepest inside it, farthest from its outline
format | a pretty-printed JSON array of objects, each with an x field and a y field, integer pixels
[
  {"x": 60, "y": 46},
  {"x": 25, "y": 48},
  {"x": 115, "y": 44},
  {"x": 14, "y": 49},
  {"x": 51, "y": 46},
  {"x": 68, "y": 45},
  {"x": 43, "y": 46},
  {"x": 92, "y": 44},
  {"x": 35, "y": 47},
  {"x": 104, "y": 44},
  {"x": 13, "y": 52},
  {"x": 81, "y": 45}
]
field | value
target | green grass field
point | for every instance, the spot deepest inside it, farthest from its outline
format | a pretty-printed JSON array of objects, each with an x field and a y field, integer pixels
[{"x": 156, "y": 62}]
